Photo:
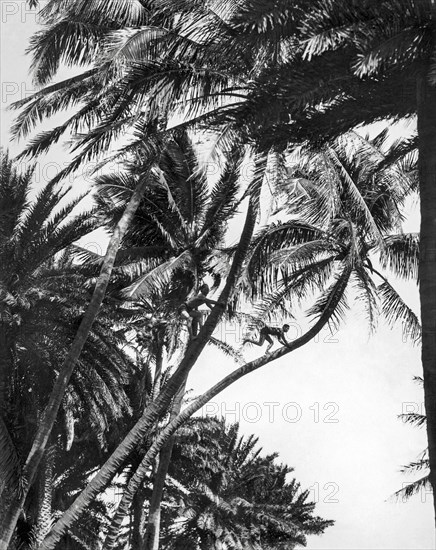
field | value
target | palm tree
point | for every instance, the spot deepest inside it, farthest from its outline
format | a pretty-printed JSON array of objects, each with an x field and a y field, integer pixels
[
  {"x": 295, "y": 97},
  {"x": 347, "y": 259},
  {"x": 347, "y": 211},
  {"x": 161, "y": 403},
  {"x": 178, "y": 227},
  {"x": 43, "y": 293},
  {"x": 354, "y": 215},
  {"x": 54, "y": 402},
  {"x": 381, "y": 65},
  {"x": 232, "y": 497},
  {"x": 168, "y": 249}
]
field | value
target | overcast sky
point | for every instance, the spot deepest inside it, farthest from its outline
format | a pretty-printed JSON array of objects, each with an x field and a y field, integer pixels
[{"x": 330, "y": 408}]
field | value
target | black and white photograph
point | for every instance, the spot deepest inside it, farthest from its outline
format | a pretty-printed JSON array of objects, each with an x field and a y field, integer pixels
[{"x": 218, "y": 274}]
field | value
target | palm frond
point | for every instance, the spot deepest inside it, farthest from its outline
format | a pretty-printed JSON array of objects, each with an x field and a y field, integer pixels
[
  {"x": 227, "y": 349},
  {"x": 400, "y": 254},
  {"x": 310, "y": 278},
  {"x": 413, "y": 418},
  {"x": 395, "y": 310},
  {"x": 367, "y": 293},
  {"x": 158, "y": 276},
  {"x": 411, "y": 489},
  {"x": 332, "y": 304},
  {"x": 278, "y": 237},
  {"x": 222, "y": 202}
]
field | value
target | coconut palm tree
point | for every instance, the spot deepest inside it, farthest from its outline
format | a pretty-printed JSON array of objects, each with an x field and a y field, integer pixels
[
  {"x": 168, "y": 249},
  {"x": 184, "y": 57},
  {"x": 348, "y": 202},
  {"x": 43, "y": 297},
  {"x": 232, "y": 496},
  {"x": 353, "y": 215},
  {"x": 35, "y": 253},
  {"x": 377, "y": 61},
  {"x": 178, "y": 227},
  {"x": 284, "y": 112},
  {"x": 347, "y": 258}
]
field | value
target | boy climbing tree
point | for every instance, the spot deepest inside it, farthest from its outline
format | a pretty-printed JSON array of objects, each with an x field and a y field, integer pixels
[
  {"x": 266, "y": 333},
  {"x": 189, "y": 310}
]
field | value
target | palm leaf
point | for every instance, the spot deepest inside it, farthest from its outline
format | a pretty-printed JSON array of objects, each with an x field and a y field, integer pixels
[
  {"x": 367, "y": 293},
  {"x": 332, "y": 302},
  {"x": 10, "y": 464},
  {"x": 422, "y": 484},
  {"x": 157, "y": 276},
  {"x": 401, "y": 255},
  {"x": 227, "y": 349},
  {"x": 395, "y": 310},
  {"x": 413, "y": 418}
]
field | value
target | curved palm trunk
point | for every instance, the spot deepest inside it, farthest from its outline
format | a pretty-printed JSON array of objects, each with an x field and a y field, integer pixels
[
  {"x": 141, "y": 472},
  {"x": 51, "y": 411},
  {"x": 151, "y": 539},
  {"x": 427, "y": 258},
  {"x": 160, "y": 405}
]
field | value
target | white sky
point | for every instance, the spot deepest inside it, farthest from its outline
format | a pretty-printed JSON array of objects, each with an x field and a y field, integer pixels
[{"x": 330, "y": 408}]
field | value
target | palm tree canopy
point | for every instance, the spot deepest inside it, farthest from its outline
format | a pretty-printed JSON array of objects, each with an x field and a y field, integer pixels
[
  {"x": 43, "y": 295},
  {"x": 233, "y": 497}
]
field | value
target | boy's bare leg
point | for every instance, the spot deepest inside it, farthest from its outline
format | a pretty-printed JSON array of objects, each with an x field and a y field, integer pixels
[
  {"x": 185, "y": 315},
  {"x": 197, "y": 322},
  {"x": 270, "y": 344},
  {"x": 259, "y": 342}
]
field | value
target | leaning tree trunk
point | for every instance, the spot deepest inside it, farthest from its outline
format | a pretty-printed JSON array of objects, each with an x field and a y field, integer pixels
[
  {"x": 426, "y": 95},
  {"x": 138, "y": 477},
  {"x": 51, "y": 411},
  {"x": 45, "y": 496},
  {"x": 152, "y": 534},
  {"x": 139, "y": 518},
  {"x": 100, "y": 481}
]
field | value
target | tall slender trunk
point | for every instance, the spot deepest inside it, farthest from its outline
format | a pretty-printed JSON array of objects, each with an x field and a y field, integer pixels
[
  {"x": 138, "y": 505},
  {"x": 426, "y": 95},
  {"x": 6, "y": 364},
  {"x": 45, "y": 496},
  {"x": 151, "y": 539},
  {"x": 158, "y": 370},
  {"x": 137, "y": 479},
  {"x": 51, "y": 411},
  {"x": 139, "y": 518},
  {"x": 141, "y": 428}
]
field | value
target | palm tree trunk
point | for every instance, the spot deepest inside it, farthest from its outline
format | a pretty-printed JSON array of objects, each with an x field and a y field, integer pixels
[
  {"x": 154, "y": 411},
  {"x": 6, "y": 365},
  {"x": 151, "y": 539},
  {"x": 158, "y": 371},
  {"x": 427, "y": 258},
  {"x": 51, "y": 411},
  {"x": 196, "y": 405},
  {"x": 139, "y": 518},
  {"x": 45, "y": 496}
]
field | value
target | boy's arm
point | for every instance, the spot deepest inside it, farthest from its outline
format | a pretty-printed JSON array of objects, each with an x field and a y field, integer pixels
[
  {"x": 282, "y": 339},
  {"x": 210, "y": 302}
]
